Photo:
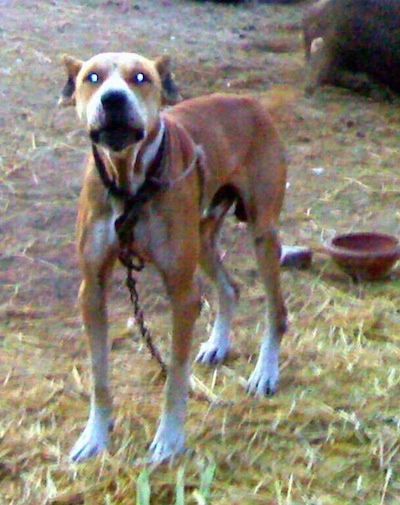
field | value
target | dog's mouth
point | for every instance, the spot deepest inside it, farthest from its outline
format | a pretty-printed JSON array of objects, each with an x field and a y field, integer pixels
[{"x": 117, "y": 136}]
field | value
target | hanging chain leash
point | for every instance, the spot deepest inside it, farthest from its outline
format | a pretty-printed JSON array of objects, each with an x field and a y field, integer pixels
[{"x": 139, "y": 320}]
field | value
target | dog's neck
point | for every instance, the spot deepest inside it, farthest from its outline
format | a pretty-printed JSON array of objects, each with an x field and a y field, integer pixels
[{"x": 128, "y": 169}]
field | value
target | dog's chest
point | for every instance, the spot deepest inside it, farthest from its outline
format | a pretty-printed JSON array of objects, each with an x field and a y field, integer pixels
[{"x": 147, "y": 236}]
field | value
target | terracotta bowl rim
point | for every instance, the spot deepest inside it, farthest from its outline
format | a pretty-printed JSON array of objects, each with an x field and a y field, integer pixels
[{"x": 354, "y": 253}]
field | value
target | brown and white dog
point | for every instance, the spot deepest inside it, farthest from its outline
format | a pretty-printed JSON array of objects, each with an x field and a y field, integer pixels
[{"x": 212, "y": 153}]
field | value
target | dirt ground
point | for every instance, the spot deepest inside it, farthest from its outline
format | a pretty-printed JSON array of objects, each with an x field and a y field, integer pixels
[{"x": 331, "y": 435}]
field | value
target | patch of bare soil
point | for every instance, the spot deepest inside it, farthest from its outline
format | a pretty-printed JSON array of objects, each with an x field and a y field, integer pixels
[{"x": 331, "y": 435}]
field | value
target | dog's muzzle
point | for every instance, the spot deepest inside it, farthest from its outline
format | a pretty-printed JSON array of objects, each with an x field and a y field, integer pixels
[{"x": 120, "y": 126}]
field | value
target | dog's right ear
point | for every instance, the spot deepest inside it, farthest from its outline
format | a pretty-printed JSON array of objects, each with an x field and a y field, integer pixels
[
  {"x": 170, "y": 90},
  {"x": 73, "y": 67}
]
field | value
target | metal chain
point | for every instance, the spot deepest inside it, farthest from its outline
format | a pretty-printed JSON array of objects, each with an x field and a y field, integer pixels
[{"x": 139, "y": 319}]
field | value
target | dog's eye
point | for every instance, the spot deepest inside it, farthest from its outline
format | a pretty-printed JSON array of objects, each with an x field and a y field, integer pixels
[
  {"x": 140, "y": 78},
  {"x": 93, "y": 78}
]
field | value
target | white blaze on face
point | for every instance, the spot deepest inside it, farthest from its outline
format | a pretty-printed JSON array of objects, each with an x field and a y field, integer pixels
[{"x": 92, "y": 113}]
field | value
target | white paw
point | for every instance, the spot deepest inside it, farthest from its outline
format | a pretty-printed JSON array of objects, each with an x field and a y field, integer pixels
[
  {"x": 167, "y": 444},
  {"x": 264, "y": 381},
  {"x": 212, "y": 353},
  {"x": 95, "y": 437}
]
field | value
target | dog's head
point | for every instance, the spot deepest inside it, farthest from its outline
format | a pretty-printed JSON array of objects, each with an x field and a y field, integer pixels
[{"x": 119, "y": 95}]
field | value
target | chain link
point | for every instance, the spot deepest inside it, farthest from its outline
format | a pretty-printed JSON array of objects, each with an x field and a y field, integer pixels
[{"x": 139, "y": 319}]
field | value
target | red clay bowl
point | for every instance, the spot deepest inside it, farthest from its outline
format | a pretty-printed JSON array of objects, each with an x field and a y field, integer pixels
[{"x": 364, "y": 256}]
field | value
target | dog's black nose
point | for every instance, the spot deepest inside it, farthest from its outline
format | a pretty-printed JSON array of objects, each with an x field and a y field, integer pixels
[{"x": 113, "y": 99}]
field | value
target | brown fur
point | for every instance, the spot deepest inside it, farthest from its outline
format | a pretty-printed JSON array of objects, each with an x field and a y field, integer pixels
[{"x": 238, "y": 159}]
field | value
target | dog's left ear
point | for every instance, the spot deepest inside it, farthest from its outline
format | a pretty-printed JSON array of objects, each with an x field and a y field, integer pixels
[
  {"x": 170, "y": 90},
  {"x": 73, "y": 67}
]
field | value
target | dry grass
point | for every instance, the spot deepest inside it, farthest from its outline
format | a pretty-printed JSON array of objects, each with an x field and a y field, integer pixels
[{"x": 331, "y": 435}]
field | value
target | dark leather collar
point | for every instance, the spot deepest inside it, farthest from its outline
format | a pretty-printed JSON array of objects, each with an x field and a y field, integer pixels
[
  {"x": 133, "y": 202},
  {"x": 154, "y": 173}
]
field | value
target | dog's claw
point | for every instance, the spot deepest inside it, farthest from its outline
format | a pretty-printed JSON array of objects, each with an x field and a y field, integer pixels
[
  {"x": 166, "y": 446},
  {"x": 86, "y": 448},
  {"x": 161, "y": 453},
  {"x": 211, "y": 354},
  {"x": 263, "y": 383},
  {"x": 86, "y": 452},
  {"x": 95, "y": 437}
]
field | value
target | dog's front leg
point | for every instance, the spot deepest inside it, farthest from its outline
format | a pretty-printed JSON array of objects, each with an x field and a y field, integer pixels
[
  {"x": 97, "y": 256},
  {"x": 184, "y": 296}
]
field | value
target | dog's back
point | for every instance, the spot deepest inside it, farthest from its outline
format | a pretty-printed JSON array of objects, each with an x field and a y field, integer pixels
[
  {"x": 240, "y": 144},
  {"x": 230, "y": 122}
]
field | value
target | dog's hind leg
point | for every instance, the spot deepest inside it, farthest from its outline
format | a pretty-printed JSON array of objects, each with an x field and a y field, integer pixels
[
  {"x": 265, "y": 377},
  {"x": 215, "y": 349}
]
